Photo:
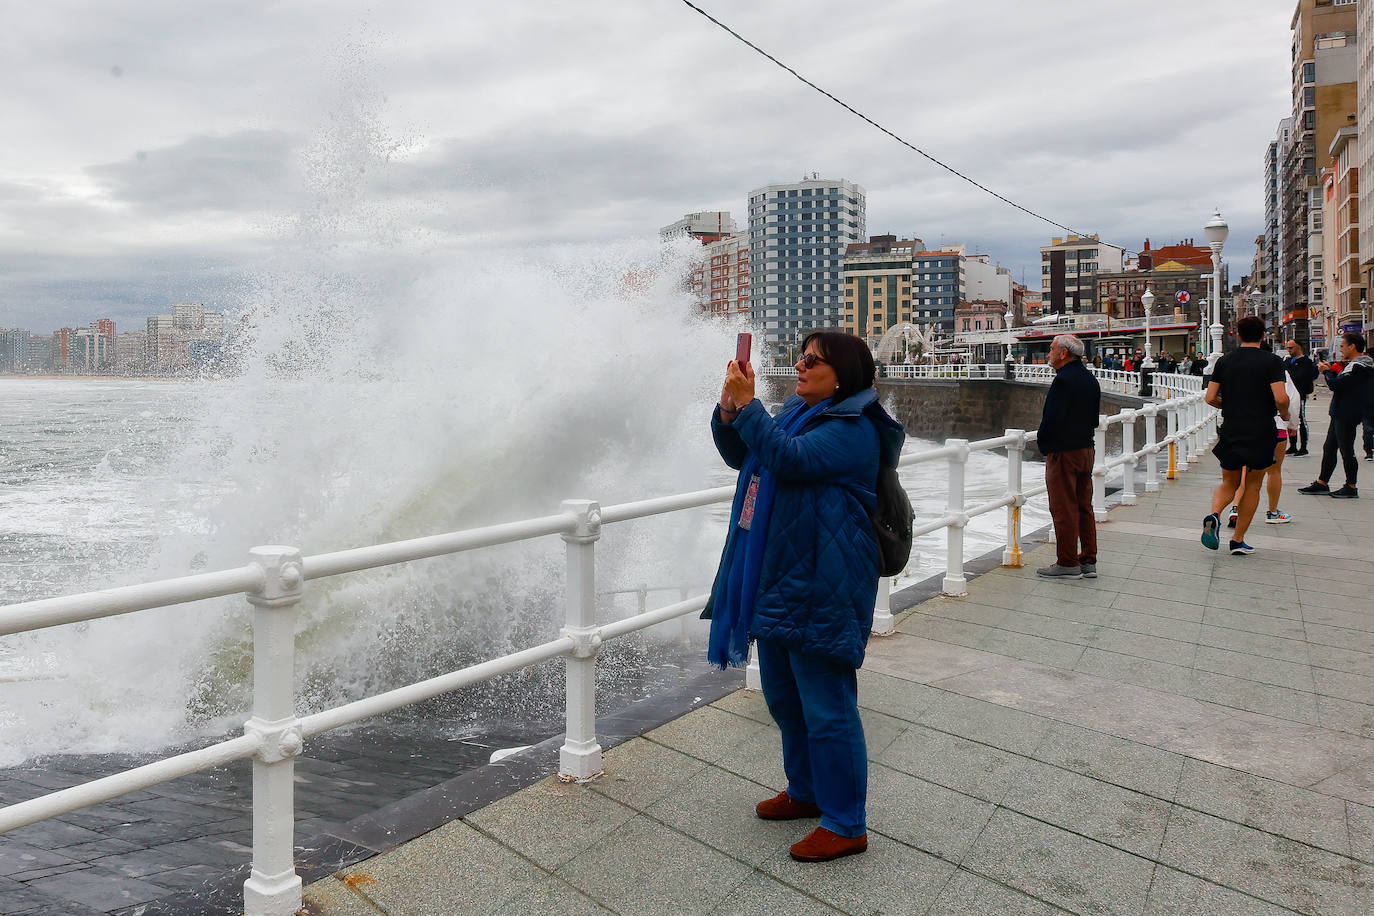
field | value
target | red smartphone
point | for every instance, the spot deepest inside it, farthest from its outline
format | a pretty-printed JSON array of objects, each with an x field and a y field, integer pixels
[{"x": 742, "y": 345}]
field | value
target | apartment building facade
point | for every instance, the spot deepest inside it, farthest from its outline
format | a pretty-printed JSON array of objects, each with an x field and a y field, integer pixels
[
  {"x": 1364, "y": 144},
  {"x": 1068, "y": 273},
  {"x": 877, "y": 285},
  {"x": 1324, "y": 100},
  {"x": 798, "y": 233}
]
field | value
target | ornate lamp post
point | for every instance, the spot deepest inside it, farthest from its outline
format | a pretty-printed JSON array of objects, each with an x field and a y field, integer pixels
[
  {"x": 1216, "y": 230},
  {"x": 1147, "y": 365}
]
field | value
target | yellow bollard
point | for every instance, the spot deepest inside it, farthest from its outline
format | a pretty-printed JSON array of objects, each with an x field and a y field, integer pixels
[
  {"x": 1173, "y": 468},
  {"x": 1014, "y": 560}
]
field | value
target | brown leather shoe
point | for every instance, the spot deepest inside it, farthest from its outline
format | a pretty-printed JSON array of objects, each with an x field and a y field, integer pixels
[
  {"x": 822, "y": 845},
  {"x": 783, "y": 807}
]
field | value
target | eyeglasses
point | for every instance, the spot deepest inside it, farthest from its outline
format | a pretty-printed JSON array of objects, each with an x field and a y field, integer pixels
[{"x": 810, "y": 359}]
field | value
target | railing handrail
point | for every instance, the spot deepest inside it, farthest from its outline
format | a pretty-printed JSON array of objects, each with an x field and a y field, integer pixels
[{"x": 274, "y": 579}]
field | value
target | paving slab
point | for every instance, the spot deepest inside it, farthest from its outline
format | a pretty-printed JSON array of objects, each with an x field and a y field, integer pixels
[
  {"x": 648, "y": 867},
  {"x": 1060, "y": 867}
]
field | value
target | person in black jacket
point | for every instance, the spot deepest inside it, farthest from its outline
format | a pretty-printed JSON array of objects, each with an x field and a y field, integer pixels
[
  {"x": 1303, "y": 372},
  {"x": 1065, "y": 438},
  {"x": 1352, "y": 393}
]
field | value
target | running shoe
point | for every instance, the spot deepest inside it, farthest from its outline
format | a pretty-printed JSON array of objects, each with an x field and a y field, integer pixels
[
  {"x": 1315, "y": 486},
  {"x": 1231, "y": 519},
  {"x": 1240, "y": 549},
  {"x": 1210, "y": 526},
  {"x": 1089, "y": 570},
  {"x": 1277, "y": 518},
  {"x": 1345, "y": 492}
]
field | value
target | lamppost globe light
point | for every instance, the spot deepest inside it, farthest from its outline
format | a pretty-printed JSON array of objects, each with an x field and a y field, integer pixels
[
  {"x": 1147, "y": 300},
  {"x": 1216, "y": 230}
]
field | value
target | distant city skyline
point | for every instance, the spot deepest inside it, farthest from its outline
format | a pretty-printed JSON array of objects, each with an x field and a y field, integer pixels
[{"x": 402, "y": 135}]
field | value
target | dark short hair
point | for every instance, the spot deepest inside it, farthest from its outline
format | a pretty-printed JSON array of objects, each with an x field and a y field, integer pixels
[
  {"x": 1250, "y": 329},
  {"x": 849, "y": 356},
  {"x": 1356, "y": 338},
  {"x": 1290, "y": 342}
]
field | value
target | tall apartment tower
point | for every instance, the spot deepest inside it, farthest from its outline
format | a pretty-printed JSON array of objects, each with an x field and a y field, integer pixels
[
  {"x": 1364, "y": 145},
  {"x": 798, "y": 233},
  {"x": 1267, "y": 271},
  {"x": 1324, "y": 101}
]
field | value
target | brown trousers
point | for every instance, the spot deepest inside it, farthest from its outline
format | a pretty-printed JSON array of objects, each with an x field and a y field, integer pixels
[{"x": 1069, "y": 479}]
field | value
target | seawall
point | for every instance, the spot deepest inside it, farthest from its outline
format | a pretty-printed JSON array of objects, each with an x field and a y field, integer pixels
[{"x": 975, "y": 408}]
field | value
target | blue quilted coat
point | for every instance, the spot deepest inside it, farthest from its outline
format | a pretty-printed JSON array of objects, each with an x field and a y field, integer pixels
[{"x": 820, "y": 566}]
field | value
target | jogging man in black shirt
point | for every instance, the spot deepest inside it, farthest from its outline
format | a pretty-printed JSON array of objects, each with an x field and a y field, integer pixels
[
  {"x": 1247, "y": 386},
  {"x": 1303, "y": 372}
]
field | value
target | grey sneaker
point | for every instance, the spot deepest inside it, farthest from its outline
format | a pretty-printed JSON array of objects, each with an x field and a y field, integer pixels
[
  {"x": 1060, "y": 572},
  {"x": 1089, "y": 570}
]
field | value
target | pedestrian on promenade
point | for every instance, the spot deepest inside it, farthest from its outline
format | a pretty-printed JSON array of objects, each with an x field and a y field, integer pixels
[
  {"x": 1273, "y": 477},
  {"x": 1304, "y": 373},
  {"x": 1352, "y": 394},
  {"x": 1065, "y": 438},
  {"x": 799, "y": 574},
  {"x": 1247, "y": 386}
]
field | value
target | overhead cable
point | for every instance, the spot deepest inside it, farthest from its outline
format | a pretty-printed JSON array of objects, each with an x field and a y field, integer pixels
[{"x": 911, "y": 146}]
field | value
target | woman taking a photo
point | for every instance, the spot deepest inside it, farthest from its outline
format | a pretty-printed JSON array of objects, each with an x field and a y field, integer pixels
[{"x": 799, "y": 573}]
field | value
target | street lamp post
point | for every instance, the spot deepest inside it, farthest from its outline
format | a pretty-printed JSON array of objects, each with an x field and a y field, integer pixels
[
  {"x": 1364, "y": 315},
  {"x": 1202, "y": 308},
  {"x": 1147, "y": 365},
  {"x": 1216, "y": 230}
]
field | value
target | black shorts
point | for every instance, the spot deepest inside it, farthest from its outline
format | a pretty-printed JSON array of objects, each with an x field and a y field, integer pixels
[{"x": 1255, "y": 453}]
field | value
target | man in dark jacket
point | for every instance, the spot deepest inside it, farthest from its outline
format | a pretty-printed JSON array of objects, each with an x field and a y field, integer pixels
[
  {"x": 1065, "y": 438},
  {"x": 1303, "y": 372},
  {"x": 1352, "y": 393}
]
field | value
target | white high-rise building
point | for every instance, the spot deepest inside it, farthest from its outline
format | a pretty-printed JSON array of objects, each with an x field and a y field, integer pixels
[{"x": 798, "y": 233}]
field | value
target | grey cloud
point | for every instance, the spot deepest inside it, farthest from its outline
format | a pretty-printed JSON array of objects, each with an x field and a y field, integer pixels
[{"x": 247, "y": 170}]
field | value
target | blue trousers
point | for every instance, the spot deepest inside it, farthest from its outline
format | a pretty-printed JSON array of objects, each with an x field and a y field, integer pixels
[{"x": 815, "y": 702}]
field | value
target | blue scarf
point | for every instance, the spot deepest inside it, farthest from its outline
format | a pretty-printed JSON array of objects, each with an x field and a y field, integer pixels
[{"x": 733, "y": 610}]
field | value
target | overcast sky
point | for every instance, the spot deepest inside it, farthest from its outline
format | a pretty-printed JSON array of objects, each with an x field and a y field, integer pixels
[{"x": 159, "y": 151}]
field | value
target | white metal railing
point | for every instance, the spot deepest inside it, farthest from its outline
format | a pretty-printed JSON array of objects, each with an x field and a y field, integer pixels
[{"x": 273, "y": 582}]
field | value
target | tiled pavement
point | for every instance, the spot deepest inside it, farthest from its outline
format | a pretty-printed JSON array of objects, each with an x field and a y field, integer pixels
[{"x": 1189, "y": 733}]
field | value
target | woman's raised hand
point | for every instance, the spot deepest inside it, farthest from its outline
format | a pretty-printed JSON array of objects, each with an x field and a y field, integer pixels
[{"x": 739, "y": 384}]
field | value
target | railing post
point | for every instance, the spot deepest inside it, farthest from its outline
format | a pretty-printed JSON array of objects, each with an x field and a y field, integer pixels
[
  {"x": 1151, "y": 448},
  {"x": 1128, "y": 468},
  {"x": 1011, "y": 556},
  {"x": 1198, "y": 439},
  {"x": 1100, "y": 470},
  {"x": 273, "y": 888},
  {"x": 579, "y": 760},
  {"x": 1171, "y": 430},
  {"x": 955, "y": 585},
  {"x": 882, "y": 608}
]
